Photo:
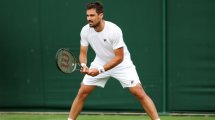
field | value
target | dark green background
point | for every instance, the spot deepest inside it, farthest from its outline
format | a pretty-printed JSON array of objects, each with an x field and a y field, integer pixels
[{"x": 172, "y": 44}]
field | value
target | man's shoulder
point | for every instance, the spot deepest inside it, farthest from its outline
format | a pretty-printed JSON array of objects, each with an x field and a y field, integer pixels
[
  {"x": 85, "y": 29},
  {"x": 113, "y": 26}
]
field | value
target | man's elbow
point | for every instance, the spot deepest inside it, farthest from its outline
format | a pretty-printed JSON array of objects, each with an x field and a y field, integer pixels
[{"x": 119, "y": 60}]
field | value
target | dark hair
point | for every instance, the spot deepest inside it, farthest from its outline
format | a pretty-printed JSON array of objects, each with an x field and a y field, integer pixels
[{"x": 97, "y": 6}]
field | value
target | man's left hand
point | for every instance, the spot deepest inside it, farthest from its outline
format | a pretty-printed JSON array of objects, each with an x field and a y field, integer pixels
[{"x": 93, "y": 72}]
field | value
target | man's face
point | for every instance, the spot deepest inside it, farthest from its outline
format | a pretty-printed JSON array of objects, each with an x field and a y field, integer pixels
[{"x": 93, "y": 17}]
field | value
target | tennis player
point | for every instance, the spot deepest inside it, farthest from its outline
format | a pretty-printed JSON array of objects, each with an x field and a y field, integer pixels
[{"x": 112, "y": 60}]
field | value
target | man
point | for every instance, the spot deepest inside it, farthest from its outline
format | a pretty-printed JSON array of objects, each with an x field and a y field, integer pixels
[{"x": 112, "y": 60}]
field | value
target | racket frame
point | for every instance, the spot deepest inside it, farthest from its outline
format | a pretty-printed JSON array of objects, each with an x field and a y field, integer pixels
[{"x": 75, "y": 64}]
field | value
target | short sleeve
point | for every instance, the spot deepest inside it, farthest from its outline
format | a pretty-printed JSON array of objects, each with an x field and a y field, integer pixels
[
  {"x": 117, "y": 39},
  {"x": 83, "y": 34}
]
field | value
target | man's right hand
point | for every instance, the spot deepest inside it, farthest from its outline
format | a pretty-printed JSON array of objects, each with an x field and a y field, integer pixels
[{"x": 84, "y": 68}]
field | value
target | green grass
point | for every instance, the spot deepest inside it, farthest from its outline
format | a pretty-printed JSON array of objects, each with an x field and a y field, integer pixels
[{"x": 13, "y": 116}]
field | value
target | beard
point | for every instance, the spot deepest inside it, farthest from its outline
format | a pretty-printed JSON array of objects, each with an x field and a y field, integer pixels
[{"x": 93, "y": 25}]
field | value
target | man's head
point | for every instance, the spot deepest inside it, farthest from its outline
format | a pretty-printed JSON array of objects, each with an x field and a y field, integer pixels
[{"x": 94, "y": 13}]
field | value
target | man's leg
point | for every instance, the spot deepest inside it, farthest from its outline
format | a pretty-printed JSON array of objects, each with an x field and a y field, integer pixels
[
  {"x": 78, "y": 103},
  {"x": 145, "y": 101}
]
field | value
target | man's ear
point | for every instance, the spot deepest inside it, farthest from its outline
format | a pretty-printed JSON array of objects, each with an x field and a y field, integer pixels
[{"x": 101, "y": 15}]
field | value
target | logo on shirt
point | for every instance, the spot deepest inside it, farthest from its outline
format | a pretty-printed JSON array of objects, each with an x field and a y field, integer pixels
[
  {"x": 132, "y": 82},
  {"x": 105, "y": 40}
]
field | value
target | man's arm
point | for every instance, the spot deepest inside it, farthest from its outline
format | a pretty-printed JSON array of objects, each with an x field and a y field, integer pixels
[
  {"x": 83, "y": 59},
  {"x": 119, "y": 55}
]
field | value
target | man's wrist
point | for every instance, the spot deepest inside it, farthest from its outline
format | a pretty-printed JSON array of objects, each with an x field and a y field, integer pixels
[
  {"x": 83, "y": 65},
  {"x": 101, "y": 69}
]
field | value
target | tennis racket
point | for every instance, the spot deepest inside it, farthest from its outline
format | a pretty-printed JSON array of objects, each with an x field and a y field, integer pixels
[{"x": 66, "y": 61}]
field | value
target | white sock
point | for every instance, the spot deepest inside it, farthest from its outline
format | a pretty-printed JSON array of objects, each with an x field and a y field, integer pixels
[
  {"x": 158, "y": 119},
  {"x": 69, "y": 119}
]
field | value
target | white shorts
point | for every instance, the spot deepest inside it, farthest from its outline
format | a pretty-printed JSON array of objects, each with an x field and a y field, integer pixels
[{"x": 127, "y": 76}]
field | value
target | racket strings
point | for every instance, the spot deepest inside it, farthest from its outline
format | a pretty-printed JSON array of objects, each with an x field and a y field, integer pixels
[{"x": 66, "y": 61}]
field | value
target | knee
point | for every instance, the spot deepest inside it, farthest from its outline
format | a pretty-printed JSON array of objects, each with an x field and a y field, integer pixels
[
  {"x": 139, "y": 93},
  {"x": 84, "y": 91},
  {"x": 82, "y": 94}
]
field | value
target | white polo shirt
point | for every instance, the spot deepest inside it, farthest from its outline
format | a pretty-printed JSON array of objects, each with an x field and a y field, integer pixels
[{"x": 104, "y": 43}]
